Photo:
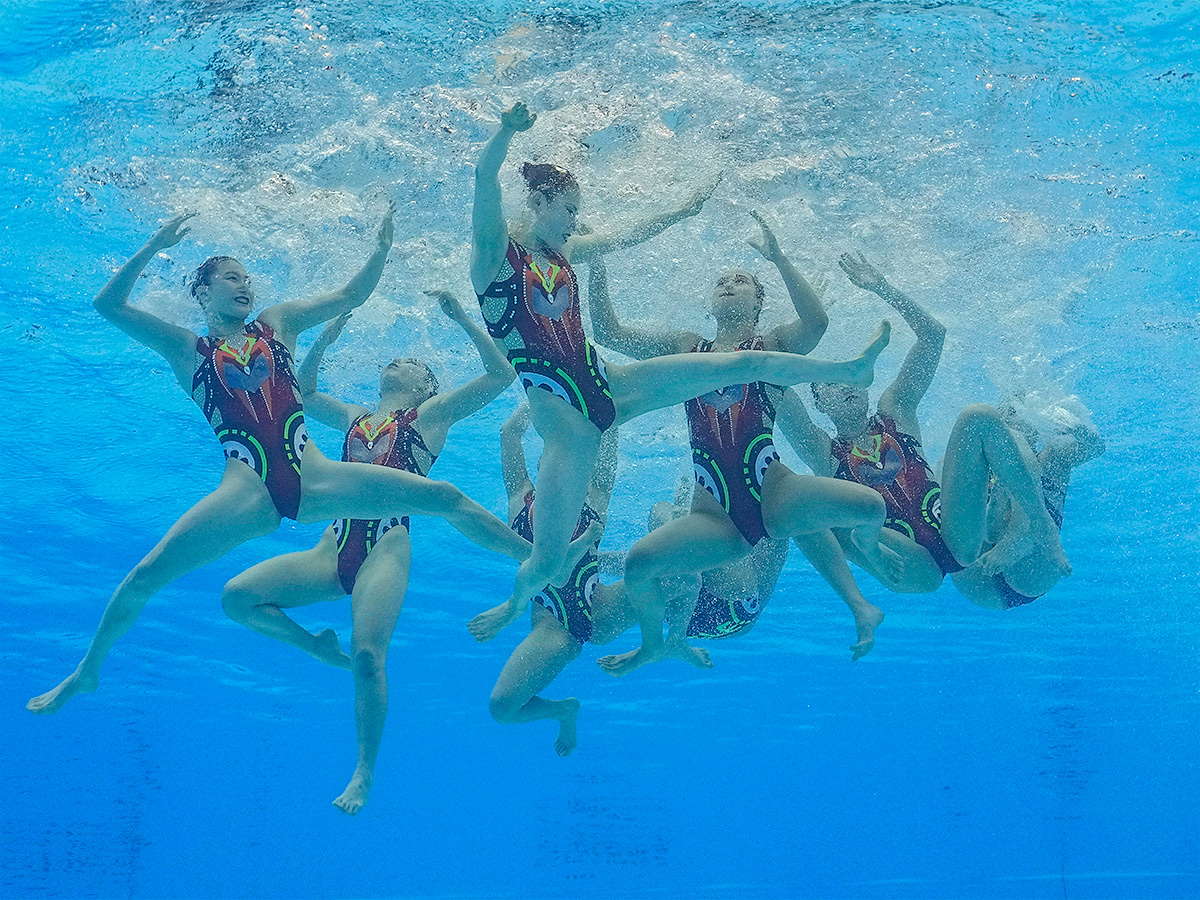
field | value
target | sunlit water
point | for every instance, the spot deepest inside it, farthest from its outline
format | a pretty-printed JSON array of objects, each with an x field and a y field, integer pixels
[{"x": 1028, "y": 170}]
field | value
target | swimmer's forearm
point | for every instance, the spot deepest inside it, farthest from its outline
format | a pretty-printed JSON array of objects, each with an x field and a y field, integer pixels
[
  {"x": 363, "y": 284},
  {"x": 806, "y": 302},
  {"x": 116, "y": 292},
  {"x": 919, "y": 319},
  {"x": 495, "y": 151},
  {"x": 307, "y": 373},
  {"x": 494, "y": 361}
]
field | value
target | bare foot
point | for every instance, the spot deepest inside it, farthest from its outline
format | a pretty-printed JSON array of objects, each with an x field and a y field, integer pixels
[
  {"x": 487, "y": 625},
  {"x": 52, "y": 701},
  {"x": 530, "y": 581},
  {"x": 355, "y": 794},
  {"x": 866, "y": 620},
  {"x": 861, "y": 371},
  {"x": 328, "y": 650},
  {"x": 1046, "y": 539},
  {"x": 886, "y": 561},
  {"x": 1015, "y": 544},
  {"x": 693, "y": 655},
  {"x": 623, "y": 663},
  {"x": 567, "y": 739}
]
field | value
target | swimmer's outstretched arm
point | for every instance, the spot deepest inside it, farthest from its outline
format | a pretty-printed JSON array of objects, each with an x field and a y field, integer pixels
[
  {"x": 489, "y": 231},
  {"x": 810, "y": 442},
  {"x": 806, "y": 331},
  {"x": 295, "y": 316},
  {"x": 585, "y": 246},
  {"x": 175, "y": 344},
  {"x": 321, "y": 406},
  {"x": 916, "y": 374},
  {"x": 442, "y": 410},
  {"x": 635, "y": 341}
]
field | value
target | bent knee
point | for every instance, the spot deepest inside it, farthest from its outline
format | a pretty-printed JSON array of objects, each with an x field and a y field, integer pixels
[
  {"x": 979, "y": 415},
  {"x": 237, "y": 599},
  {"x": 642, "y": 564},
  {"x": 502, "y": 708}
]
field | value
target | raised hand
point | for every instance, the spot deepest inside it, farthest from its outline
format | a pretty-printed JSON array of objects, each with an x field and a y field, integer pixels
[
  {"x": 767, "y": 245},
  {"x": 861, "y": 273},
  {"x": 696, "y": 202},
  {"x": 172, "y": 232},
  {"x": 449, "y": 305},
  {"x": 387, "y": 228},
  {"x": 333, "y": 330},
  {"x": 517, "y": 117}
]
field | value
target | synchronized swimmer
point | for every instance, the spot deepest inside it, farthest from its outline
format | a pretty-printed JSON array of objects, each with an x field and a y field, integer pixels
[{"x": 709, "y": 562}]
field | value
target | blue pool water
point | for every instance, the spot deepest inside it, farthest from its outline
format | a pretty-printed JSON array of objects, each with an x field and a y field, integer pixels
[{"x": 1027, "y": 169}]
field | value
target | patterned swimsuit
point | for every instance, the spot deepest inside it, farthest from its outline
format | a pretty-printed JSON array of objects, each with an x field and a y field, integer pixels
[
  {"x": 245, "y": 385},
  {"x": 733, "y": 445},
  {"x": 381, "y": 439},
  {"x": 893, "y": 465},
  {"x": 535, "y": 315},
  {"x": 570, "y": 603}
]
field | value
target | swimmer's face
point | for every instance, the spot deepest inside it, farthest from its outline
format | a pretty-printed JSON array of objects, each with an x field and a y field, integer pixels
[
  {"x": 555, "y": 218},
  {"x": 845, "y": 405},
  {"x": 407, "y": 375},
  {"x": 228, "y": 291},
  {"x": 736, "y": 297}
]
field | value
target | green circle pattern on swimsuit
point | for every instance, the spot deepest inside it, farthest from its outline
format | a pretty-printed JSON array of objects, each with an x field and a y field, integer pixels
[{"x": 1023, "y": 169}]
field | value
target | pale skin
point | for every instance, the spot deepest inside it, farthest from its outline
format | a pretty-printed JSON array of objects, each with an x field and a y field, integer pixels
[
  {"x": 571, "y": 441},
  {"x": 549, "y": 647},
  {"x": 240, "y": 508},
  {"x": 1006, "y": 544},
  {"x": 793, "y": 506},
  {"x": 258, "y": 597},
  {"x": 980, "y": 445}
]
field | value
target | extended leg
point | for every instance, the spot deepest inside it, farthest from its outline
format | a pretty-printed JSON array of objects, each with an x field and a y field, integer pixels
[
  {"x": 378, "y": 596},
  {"x": 669, "y": 380},
  {"x": 238, "y": 510},
  {"x": 337, "y": 490}
]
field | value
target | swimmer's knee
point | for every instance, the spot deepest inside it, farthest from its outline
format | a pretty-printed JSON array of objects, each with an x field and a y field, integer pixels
[
  {"x": 143, "y": 579},
  {"x": 446, "y": 497},
  {"x": 237, "y": 600},
  {"x": 370, "y": 664},
  {"x": 501, "y": 709},
  {"x": 979, "y": 415},
  {"x": 639, "y": 566}
]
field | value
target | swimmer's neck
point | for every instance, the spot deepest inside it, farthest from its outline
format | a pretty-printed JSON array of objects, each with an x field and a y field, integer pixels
[
  {"x": 730, "y": 334},
  {"x": 535, "y": 244},
  {"x": 223, "y": 326},
  {"x": 394, "y": 400},
  {"x": 851, "y": 431}
]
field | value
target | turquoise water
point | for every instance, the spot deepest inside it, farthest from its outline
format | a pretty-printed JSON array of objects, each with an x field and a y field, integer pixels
[{"x": 1028, "y": 170}]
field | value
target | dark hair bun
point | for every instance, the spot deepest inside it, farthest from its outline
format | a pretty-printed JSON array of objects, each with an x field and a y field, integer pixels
[{"x": 547, "y": 178}]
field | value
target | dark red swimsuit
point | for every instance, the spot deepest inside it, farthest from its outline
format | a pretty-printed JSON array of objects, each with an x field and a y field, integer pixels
[
  {"x": 248, "y": 392},
  {"x": 570, "y": 603},
  {"x": 733, "y": 444},
  {"x": 535, "y": 315},
  {"x": 381, "y": 439},
  {"x": 894, "y": 465}
]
